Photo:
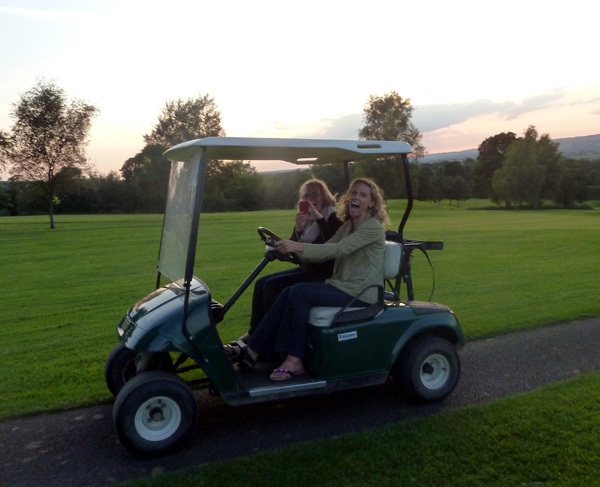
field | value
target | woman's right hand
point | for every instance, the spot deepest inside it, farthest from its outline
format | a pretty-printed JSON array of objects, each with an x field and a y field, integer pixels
[
  {"x": 289, "y": 246},
  {"x": 302, "y": 220}
]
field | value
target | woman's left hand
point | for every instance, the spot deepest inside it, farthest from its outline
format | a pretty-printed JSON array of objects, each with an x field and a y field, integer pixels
[{"x": 289, "y": 246}]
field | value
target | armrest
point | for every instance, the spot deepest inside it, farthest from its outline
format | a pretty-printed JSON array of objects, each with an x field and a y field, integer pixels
[{"x": 343, "y": 316}]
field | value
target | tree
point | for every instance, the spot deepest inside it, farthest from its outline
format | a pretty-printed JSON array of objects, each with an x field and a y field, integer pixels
[
  {"x": 491, "y": 157},
  {"x": 521, "y": 177},
  {"x": 147, "y": 176},
  {"x": 147, "y": 173},
  {"x": 550, "y": 158},
  {"x": 183, "y": 120},
  {"x": 456, "y": 188},
  {"x": 423, "y": 181},
  {"x": 48, "y": 139},
  {"x": 388, "y": 117}
]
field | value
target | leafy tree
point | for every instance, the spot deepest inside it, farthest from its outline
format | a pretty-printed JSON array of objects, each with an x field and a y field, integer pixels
[
  {"x": 147, "y": 177},
  {"x": 147, "y": 173},
  {"x": 183, "y": 120},
  {"x": 5, "y": 201},
  {"x": 223, "y": 190},
  {"x": 550, "y": 158},
  {"x": 456, "y": 188},
  {"x": 48, "y": 139},
  {"x": 388, "y": 117},
  {"x": 4, "y": 147},
  {"x": 423, "y": 181},
  {"x": 112, "y": 193},
  {"x": 491, "y": 157},
  {"x": 438, "y": 180},
  {"x": 521, "y": 177},
  {"x": 246, "y": 193},
  {"x": 281, "y": 188},
  {"x": 579, "y": 182}
]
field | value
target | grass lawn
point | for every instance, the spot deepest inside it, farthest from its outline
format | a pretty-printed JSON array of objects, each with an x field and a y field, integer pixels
[{"x": 65, "y": 290}]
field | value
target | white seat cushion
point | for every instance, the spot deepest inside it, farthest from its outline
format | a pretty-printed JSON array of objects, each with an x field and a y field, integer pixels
[{"x": 322, "y": 316}]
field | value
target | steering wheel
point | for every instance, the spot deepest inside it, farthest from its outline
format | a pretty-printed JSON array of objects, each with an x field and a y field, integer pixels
[{"x": 269, "y": 238}]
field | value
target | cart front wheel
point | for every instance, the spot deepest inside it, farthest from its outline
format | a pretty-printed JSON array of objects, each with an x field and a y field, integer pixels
[
  {"x": 155, "y": 413},
  {"x": 428, "y": 370},
  {"x": 119, "y": 368},
  {"x": 122, "y": 363}
]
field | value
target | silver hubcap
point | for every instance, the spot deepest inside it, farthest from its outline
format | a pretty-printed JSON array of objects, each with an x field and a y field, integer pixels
[
  {"x": 157, "y": 418},
  {"x": 435, "y": 371}
]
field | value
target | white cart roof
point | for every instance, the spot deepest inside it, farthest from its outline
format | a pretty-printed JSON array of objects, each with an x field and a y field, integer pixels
[{"x": 297, "y": 151}]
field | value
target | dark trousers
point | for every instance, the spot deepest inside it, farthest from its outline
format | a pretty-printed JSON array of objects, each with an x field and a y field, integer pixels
[
  {"x": 268, "y": 288},
  {"x": 284, "y": 328}
]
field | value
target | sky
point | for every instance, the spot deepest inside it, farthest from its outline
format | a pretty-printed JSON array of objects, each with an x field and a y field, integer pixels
[{"x": 471, "y": 69}]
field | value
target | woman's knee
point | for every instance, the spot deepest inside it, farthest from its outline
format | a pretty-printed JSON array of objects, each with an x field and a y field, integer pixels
[{"x": 300, "y": 292}]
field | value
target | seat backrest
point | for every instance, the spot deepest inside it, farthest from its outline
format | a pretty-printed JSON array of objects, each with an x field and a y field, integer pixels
[{"x": 391, "y": 259}]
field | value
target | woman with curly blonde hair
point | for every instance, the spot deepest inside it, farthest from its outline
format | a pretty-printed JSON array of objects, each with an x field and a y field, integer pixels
[{"x": 379, "y": 210}]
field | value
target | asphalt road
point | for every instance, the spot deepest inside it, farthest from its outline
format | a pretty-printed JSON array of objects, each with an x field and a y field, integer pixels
[{"x": 80, "y": 448}]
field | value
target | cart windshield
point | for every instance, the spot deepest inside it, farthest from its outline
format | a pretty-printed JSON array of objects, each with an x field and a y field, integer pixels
[
  {"x": 188, "y": 168},
  {"x": 177, "y": 225}
]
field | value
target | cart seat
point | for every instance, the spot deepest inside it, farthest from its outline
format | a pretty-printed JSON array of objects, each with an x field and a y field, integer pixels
[{"x": 324, "y": 316}]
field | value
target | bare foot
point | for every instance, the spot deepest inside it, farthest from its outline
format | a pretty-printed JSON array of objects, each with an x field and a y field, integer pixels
[{"x": 290, "y": 367}]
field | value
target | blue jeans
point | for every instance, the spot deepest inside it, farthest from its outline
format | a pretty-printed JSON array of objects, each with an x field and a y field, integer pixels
[
  {"x": 284, "y": 328},
  {"x": 268, "y": 288}
]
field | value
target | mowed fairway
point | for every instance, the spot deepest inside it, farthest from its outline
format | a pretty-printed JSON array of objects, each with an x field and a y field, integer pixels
[{"x": 65, "y": 290}]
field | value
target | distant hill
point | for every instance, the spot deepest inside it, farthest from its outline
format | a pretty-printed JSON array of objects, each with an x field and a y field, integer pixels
[{"x": 585, "y": 146}]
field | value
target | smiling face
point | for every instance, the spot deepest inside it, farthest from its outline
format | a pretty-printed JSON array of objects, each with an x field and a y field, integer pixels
[{"x": 360, "y": 202}]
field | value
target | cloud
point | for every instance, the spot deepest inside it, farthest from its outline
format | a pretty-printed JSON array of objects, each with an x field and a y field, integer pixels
[
  {"x": 344, "y": 127},
  {"x": 428, "y": 118},
  {"x": 534, "y": 103}
]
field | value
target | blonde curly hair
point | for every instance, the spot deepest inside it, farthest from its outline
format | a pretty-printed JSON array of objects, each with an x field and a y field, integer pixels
[{"x": 378, "y": 211}]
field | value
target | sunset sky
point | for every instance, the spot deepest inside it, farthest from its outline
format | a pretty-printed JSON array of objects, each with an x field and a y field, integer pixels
[{"x": 472, "y": 69}]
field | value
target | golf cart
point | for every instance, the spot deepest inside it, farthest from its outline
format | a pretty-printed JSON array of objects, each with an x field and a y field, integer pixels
[{"x": 156, "y": 410}]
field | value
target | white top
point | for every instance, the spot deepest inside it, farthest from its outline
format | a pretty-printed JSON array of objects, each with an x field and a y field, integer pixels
[{"x": 297, "y": 151}]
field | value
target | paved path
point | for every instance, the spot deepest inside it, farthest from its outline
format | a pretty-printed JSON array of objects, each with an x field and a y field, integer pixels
[{"x": 80, "y": 448}]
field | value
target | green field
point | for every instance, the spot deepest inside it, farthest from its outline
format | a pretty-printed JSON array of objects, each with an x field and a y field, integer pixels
[{"x": 65, "y": 290}]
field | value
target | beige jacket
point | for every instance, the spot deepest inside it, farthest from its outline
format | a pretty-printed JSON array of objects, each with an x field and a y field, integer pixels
[{"x": 358, "y": 257}]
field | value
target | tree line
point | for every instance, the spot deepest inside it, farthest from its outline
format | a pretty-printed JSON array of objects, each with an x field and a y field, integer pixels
[
  {"x": 44, "y": 154},
  {"x": 513, "y": 172}
]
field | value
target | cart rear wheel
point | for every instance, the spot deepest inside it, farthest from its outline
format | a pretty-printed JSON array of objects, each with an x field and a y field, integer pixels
[
  {"x": 155, "y": 413},
  {"x": 428, "y": 370}
]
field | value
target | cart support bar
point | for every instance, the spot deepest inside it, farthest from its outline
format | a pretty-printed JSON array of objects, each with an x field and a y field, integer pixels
[{"x": 243, "y": 287}]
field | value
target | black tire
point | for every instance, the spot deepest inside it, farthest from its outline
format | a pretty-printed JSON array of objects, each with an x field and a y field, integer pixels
[
  {"x": 122, "y": 365},
  {"x": 155, "y": 413},
  {"x": 119, "y": 368},
  {"x": 428, "y": 370}
]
